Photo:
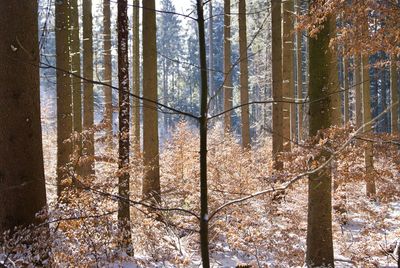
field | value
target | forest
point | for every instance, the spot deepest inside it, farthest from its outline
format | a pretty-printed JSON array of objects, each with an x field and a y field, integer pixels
[{"x": 199, "y": 133}]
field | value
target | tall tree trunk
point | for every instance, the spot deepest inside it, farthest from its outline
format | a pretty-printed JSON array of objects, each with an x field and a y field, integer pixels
[
  {"x": 228, "y": 87},
  {"x": 299, "y": 77},
  {"x": 64, "y": 94},
  {"x": 277, "y": 115},
  {"x": 322, "y": 83},
  {"x": 203, "y": 139},
  {"x": 123, "y": 150},
  {"x": 136, "y": 78},
  {"x": 287, "y": 73},
  {"x": 211, "y": 55},
  {"x": 368, "y": 152},
  {"x": 346, "y": 90},
  {"x": 88, "y": 101},
  {"x": 76, "y": 81},
  {"x": 358, "y": 88},
  {"x": 107, "y": 73},
  {"x": 22, "y": 181},
  {"x": 151, "y": 179},
  {"x": 381, "y": 75},
  {"x": 394, "y": 96},
  {"x": 244, "y": 75}
]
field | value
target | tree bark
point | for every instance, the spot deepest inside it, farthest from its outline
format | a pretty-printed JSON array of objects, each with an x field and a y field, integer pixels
[
  {"x": 395, "y": 96},
  {"x": 228, "y": 87},
  {"x": 346, "y": 90},
  {"x": 22, "y": 181},
  {"x": 319, "y": 230},
  {"x": 244, "y": 75},
  {"x": 123, "y": 150},
  {"x": 151, "y": 179},
  {"x": 299, "y": 78},
  {"x": 107, "y": 73},
  {"x": 136, "y": 78},
  {"x": 358, "y": 88}
]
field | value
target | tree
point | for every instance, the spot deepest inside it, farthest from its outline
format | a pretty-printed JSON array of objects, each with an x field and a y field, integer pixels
[
  {"x": 136, "y": 77},
  {"x": 394, "y": 95},
  {"x": 228, "y": 87},
  {"x": 358, "y": 88},
  {"x": 244, "y": 75},
  {"x": 299, "y": 62},
  {"x": 151, "y": 178},
  {"x": 21, "y": 157},
  {"x": 123, "y": 149},
  {"x": 211, "y": 52},
  {"x": 322, "y": 84},
  {"x": 107, "y": 73},
  {"x": 88, "y": 115},
  {"x": 346, "y": 90},
  {"x": 287, "y": 74},
  {"x": 277, "y": 116},
  {"x": 64, "y": 94}
]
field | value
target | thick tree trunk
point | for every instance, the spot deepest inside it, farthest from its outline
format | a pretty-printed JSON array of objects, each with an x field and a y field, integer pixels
[
  {"x": 319, "y": 230},
  {"x": 123, "y": 150},
  {"x": 64, "y": 94},
  {"x": 151, "y": 179},
  {"x": 277, "y": 115},
  {"x": 394, "y": 96},
  {"x": 368, "y": 152},
  {"x": 228, "y": 87},
  {"x": 136, "y": 78},
  {"x": 88, "y": 101},
  {"x": 244, "y": 75},
  {"x": 107, "y": 73},
  {"x": 22, "y": 181}
]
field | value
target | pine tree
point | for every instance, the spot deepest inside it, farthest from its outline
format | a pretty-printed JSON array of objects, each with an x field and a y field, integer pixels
[{"x": 22, "y": 182}]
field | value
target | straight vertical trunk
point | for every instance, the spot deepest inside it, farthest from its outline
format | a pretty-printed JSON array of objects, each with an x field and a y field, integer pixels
[
  {"x": 368, "y": 152},
  {"x": 299, "y": 77},
  {"x": 22, "y": 182},
  {"x": 64, "y": 94},
  {"x": 322, "y": 84},
  {"x": 358, "y": 88},
  {"x": 136, "y": 78},
  {"x": 277, "y": 115},
  {"x": 228, "y": 88},
  {"x": 151, "y": 179},
  {"x": 123, "y": 149},
  {"x": 107, "y": 74},
  {"x": 244, "y": 75},
  {"x": 394, "y": 96},
  {"x": 88, "y": 101},
  {"x": 287, "y": 73},
  {"x": 211, "y": 55},
  {"x": 346, "y": 90}
]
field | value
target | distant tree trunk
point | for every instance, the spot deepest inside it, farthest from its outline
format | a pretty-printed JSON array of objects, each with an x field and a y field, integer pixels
[
  {"x": 136, "y": 78},
  {"x": 211, "y": 55},
  {"x": 277, "y": 115},
  {"x": 151, "y": 179},
  {"x": 22, "y": 181},
  {"x": 244, "y": 75},
  {"x": 299, "y": 77},
  {"x": 107, "y": 74},
  {"x": 358, "y": 88},
  {"x": 368, "y": 152},
  {"x": 346, "y": 90},
  {"x": 287, "y": 73},
  {"x": 394, "y": 95},
  {"x": 76, "y": 81},
  {"x": 88, "y": 100},
  {"x": 322, "y": 83},
  {"x": 64, "y": 94},
  {"x": 227, "y": 67},
  {"x": 123, "y": 150},
  {"x": 203, "y": 139}
]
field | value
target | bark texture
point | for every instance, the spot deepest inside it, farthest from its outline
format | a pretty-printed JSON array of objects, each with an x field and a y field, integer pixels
[
  {"x": 228, "y": 87},
  {"x": 136, "y": 78},
  {"x": 395, "y": 96},
  {"x": 107, "y": 73}
]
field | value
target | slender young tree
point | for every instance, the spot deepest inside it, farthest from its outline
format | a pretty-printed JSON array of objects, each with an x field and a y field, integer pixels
[
  {"x": 287, "y": 73},
  {"x": 151, "y": 178},
  {"x": 22, "y": 182},
  {"x": 88, "y": 100},
  {"x": 64, "y": 93},
  {"x": 228, "y": 87},
  {"x": 123, "y": 149},
  {"x": 244, "y": 75},
  {"x": 136, "y": 77},
  {"x": 394, "y": 95},
  {"x": 277, "y": 116},
  {"x": 107, "y": 73},
  {"x": 322, "y": 84},
  {"x": 368, "y": 152},
  {"x": 75, "y": 68},
  {"x": 299, "y": 62}
]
